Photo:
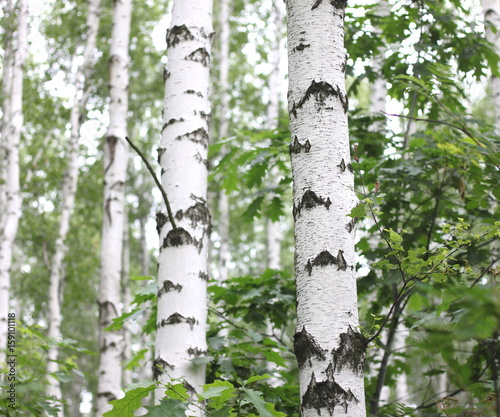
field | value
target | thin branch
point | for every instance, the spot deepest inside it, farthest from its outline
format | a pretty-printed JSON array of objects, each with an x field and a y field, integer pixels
[
  {"x": 158, "y": 184},
  {"x": 484, "y": 272}
]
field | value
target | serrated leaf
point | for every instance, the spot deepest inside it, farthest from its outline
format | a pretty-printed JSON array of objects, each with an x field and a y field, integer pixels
[
  {"x": 125, "y": 407},
  {"x": 168, "y": 407},
  {"x": 359, "y": 211},
  {"x": 274, "y": 357},
  {"x": 255, "y": 397},
  {"x": 223, "y": 412}
]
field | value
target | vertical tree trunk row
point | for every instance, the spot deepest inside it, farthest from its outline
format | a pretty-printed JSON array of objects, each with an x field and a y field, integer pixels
[
  {"x": 115, "y": 175},
  {"x": 69, "y": 190},
  {"x": 182, "y": 271},
  {"x": 11, "y": 135},
  {"x": 328, "y": 346}
]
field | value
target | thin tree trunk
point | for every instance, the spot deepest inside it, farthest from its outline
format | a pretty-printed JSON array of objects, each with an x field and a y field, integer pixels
[
  {"x": 127, "y": 300},
  {"x": 11, "y": 135},
  {"x": 491, "y": 10},
  {"x": 115, "y": 175},
  {"x": 273, "y": 232},
  {"x": 223, "y": 131},
  {"x": 329, "y": 349},
  {"x": 182, "y": 271},
  {"x": 69, "y": 189}
]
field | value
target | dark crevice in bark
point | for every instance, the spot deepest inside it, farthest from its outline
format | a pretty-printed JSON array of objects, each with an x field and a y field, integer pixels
[
  {"x": 177, "y": 318},
  {"x": 338, "y": 4},
  {"x": 178, "y": 34},
  {"x": 161, "y": 219},
  {"x": 197, "y": 136},
  {"x": 325, "y": 258},
  {"x": 171, "y": 122},
  {"x": 343, "y": 166},
  {"x": 295, "y": 147},
  {"x": 203, "y": 275},
  {"x": 198, "y": 213},
  {"x": 197, "y": 352},
  {"x": 301, "y": 46},
  {"x": 327, "y": 394},
  {"x": 166, "y": 74},
  {"x": 305, "y": 348},
  {"x": 350, "y": 352},
  {"x": 177, "y": 237},
  {"x": 310, "y": 200},
  {"x": 321, "y": 91},
  {"x": 200, "y": 55},
  {"x": 109, "y": 395},
  {"x": 202, "y": 160},
  {"x": 167, "y": 287},
  {"x": 159, "y": 366},
  {"x": 194, "y": 92},
  {"x": 189, "y": 388},
  {"x": 111, "y": 142},
  {"x": 350, "y": 226},
  {"x": 160, "y": 151}
]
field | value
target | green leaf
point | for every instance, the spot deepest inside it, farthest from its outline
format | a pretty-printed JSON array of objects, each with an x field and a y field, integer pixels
[
  {"x": 274, "y": 357},
  {"x": 359, "y": 211},
  {"x": 223, "y": 412},
  {"x": 119, "y": 321},
  {"x": 256, "y": 378},
  {"x": 255, "y": 397},
  {"x": 125, "y": 407},
  {"x": 224, "y": 389},
  {"x": 141, "y": 278},
  {"x": 168, "y": 407}
]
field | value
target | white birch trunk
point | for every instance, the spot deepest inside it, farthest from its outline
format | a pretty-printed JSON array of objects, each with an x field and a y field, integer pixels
[
  {"x": 11, "y": 135},
  {"x": 127, "y": 300},
  {"x": 182, "y": 271},
  {"x": 329, "y": 349},
  {"x": 69, "y": 189},
  {"x": 115, "y": 174},
  {"x": 223, "y": 131},
  {"x": 273, "y": 232},
  {"x": 491, "y": 10}
]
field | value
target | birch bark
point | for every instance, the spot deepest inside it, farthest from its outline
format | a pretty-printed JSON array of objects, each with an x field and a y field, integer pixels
[
  {"x": 182, "y": 271},
  {"x": 69, "y": 190},
  {"x": 115, "y": 175},
  {"x": 273, "y": 231},
  {"x": 223, "y": 131},
  {"x": 11, "y": 135},
  {"x": 328, "y": 346},
  {"x": 491, "y": 11}
]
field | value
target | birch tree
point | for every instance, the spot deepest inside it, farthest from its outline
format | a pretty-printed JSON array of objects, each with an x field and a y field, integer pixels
[
  {"x": 491, "y": 10},
  {"x": 182, "y": 271},
  {"x": 115, "y": 174},
  {"x": 11, "y": 133},
  {"x": 69, "y": 190},
  {"x": 328, "y": 346}
]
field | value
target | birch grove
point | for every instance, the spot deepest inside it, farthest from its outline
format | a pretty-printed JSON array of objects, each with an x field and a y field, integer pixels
[
  {"x": 112, "y": 343},
  {"x": 182, "y": 269},
  {"x": 328, "y": 346},
  {"x": 12, "y": 125},
  {"x": 69, "y": 189}
]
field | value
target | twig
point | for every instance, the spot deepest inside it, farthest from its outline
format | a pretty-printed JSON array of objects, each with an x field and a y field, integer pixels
[
  {"x": 158, "y": 184},
  {"x": 484, "y": 272}
]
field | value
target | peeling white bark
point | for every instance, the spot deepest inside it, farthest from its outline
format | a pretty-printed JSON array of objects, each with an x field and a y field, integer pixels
[
  {"x": 491, "y": 11},
  {"x": 69, "y": 189},
  {"x": 11, "y": 134},
  {"x": 115, "y": 175},
  {"x": 328, "y": 346},
  {"x": 182, "y": 272}
]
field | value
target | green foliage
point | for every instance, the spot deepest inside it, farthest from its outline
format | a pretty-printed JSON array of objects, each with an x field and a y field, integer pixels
[{"x": 125, "y": 407}]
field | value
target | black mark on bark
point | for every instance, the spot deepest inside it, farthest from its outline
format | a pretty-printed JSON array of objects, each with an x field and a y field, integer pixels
[
  {"x": 111, "y": 141},
  {"x": 306, "y": 347},
  {"x": 171, "y": 122},
  {"x": 169, "y": 286},
  {"x": 202, "y": 160},
  {"x": 343, "y": 166},
  {"x": 350, "y": 352},
  {"x": 159, "y": 366},
  {"x": 178, "y": 34},
  {"x": 296, "y": 147},
  {"x": 325, "y": 258},
  {"x": 177, "y": 318},
  {"x": 200, "y": 55},
  {"x": 109, "y": 395},
  {"x": 350, "y": 226},
  {"x": 338, "y": 4},
  {"x": 161, "y": 219},
  {"x": 197, "y": 136},
  {"x": 160, "y": 151},
  {"x": 310, "y": 200},
  {"x": 194, "y": 92},
  {"x": 203, "y": 276},
  {"x": 166, "y": 74},
  {"x": 327, "y": 394},
  {"x": 321, "y": 91},
  {"x": 179, "y": 215},
  {"x": 177, "y": 237},
  {"x": 198, "y": 214},
  {"x": 301, "y": 46},
  {"x": 197, "y": 352}
]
